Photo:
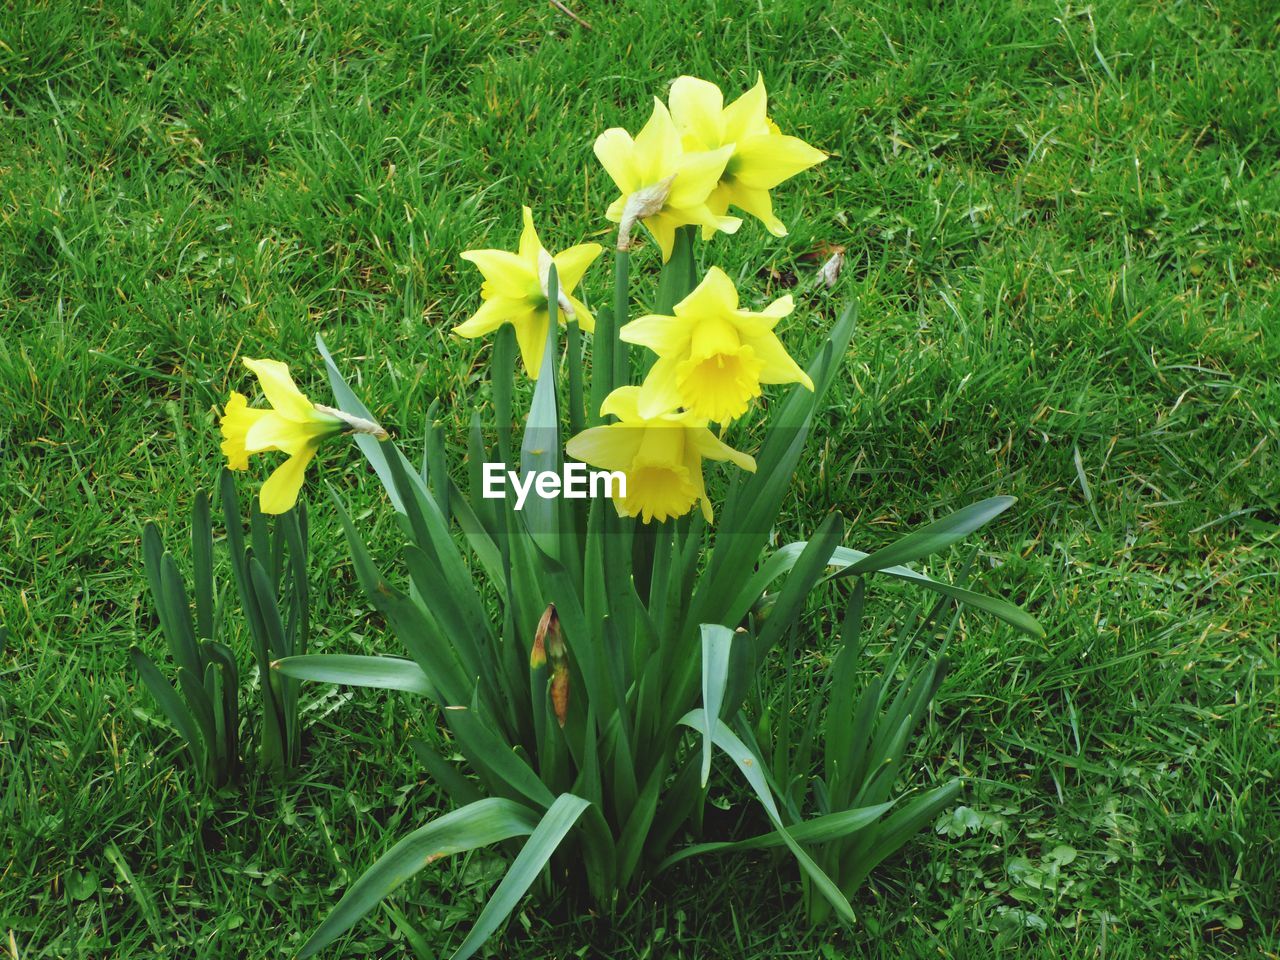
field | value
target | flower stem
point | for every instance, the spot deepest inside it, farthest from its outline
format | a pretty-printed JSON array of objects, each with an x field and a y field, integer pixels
[{"x": 621, "y": 309}]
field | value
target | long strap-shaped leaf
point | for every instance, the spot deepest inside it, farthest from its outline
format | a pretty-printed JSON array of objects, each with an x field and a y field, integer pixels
[
  {"x": 542, "y": 843},
  {"x": 831, "y": 826},
  {"x": 933, "y": 537},
  {"x": 784, "y": 558},
  {"x": 1006, "y": 611},
  {"x": 717, "y": 643},
  {"x": 170, "y": 703},
  {"x": 476, "y": 825},
  {"x": 540, "y": 446},
  {"x": 752, "y": 768},
  {"x": 384, "y": 673}
]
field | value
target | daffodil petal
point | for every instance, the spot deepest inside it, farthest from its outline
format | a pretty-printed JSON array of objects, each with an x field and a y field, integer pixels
[
  {"x": 623, "y": 403},
  {"x": 275, "y": 432},
  {"x": 660, "y": 392},
  {"x": 714, "y": 296},
  {"x": 614, "y": 149},
  {"x": 531, "y": 335},
  {"x": 506, "y": 273},
  {"x": 782, "y": 307},
  {"x": 695, "y": 108},
  {"x": 660, "y": 334},
  {"x": 662, "y": 228},
  {"x": 759, "y": 204},
  {"x": 657, "y": 147},
  {"x": 765, "y": 161},
  {"x": 571, "y": 264},
  {"x": 712, "y": 448},
  {"x": 611, "y": 447},
  {"x": 280, "y": 390},
  {"x": 491, "y": 315},
  {"x": 693, "y": 462},
  {"x": 529, "y": 242},
  {"x": 747, "y": 115},
  {"x": 614, "y": 211},
  {"x": 280, "y": 492},
  {"x": 586, "y": 321},
  {"x": 778, "y": 365},
  {"x": 697, "y": 175}
]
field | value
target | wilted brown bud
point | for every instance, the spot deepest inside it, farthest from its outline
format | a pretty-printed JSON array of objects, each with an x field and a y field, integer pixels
[
  {"x": 550, "y": 623},
  {"x": 560, "y": 690}
]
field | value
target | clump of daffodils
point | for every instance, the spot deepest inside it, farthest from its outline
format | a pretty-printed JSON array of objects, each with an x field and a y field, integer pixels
[{"x": 694, "y": 160}]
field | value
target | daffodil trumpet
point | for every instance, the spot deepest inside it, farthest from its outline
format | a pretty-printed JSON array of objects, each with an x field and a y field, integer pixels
[
  {"x": 713, "y": 356},
  {"x": 660, "y": 457}
]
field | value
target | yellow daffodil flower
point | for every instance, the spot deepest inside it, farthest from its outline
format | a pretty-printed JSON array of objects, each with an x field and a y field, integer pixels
[
  {"x": 662, "y": 185},
  {"x": 293, "y": 425},
  {"x": 515, "y": 291},
  {"x": 661, "y": 457},
  {"x": 762, "y": 157},
  {"x": 712, "y": 356}
]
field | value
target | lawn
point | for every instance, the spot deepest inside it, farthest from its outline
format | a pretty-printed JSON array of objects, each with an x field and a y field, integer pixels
[{"x": 1062, "y": 223}]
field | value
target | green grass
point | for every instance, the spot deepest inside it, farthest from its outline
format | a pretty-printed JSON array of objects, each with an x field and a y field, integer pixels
[{"x": 1064, "y": 227}]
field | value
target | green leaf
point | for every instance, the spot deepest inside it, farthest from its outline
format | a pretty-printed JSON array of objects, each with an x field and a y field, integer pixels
[
  {"x": 753, "y": 770},
  {"x": 478, "y": 824},
  {"x": 1006, "y": 611},
  {"x": 177, "y": 617},
  {"x": 933, "y": 537},
  {"x": 202, "y": 562},
  {"x": 264, "y": 596},
  {"x": 374, "y": 450},
  {"x": 866, "y": 851},
  {"x": 542, "y": 843},
  {"x": 386, "y": 673},
  {"x": 717, "y": 642},
  {"x": 488, "y": 752},
  {"x": 418, "y": 632},
  {"x": 839, "y": 725},
  {"x": 460, "y": 790},
  {"x": 170, "y": 703},
  {"x": 784, "y": 558},
  {"x": 831, "y": 826}
]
